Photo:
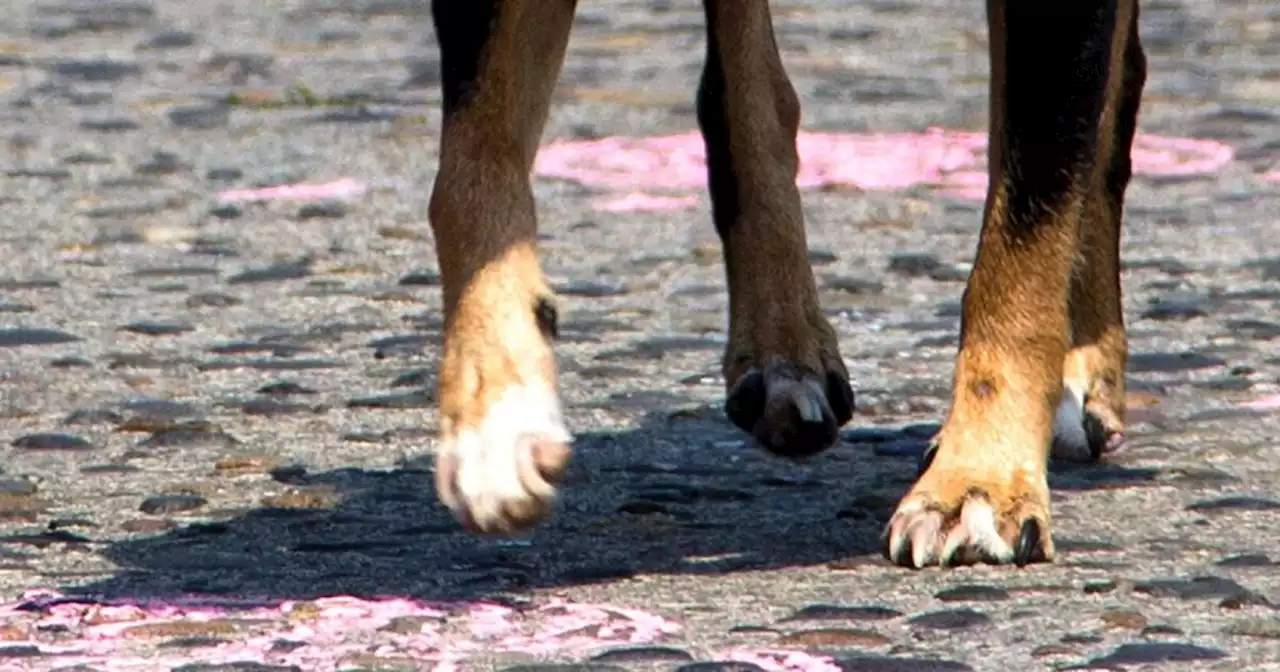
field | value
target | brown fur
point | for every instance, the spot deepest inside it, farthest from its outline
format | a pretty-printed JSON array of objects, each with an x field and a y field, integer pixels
[
  {"x": 482, "y": 214},
  {"x": 1042, "y": 304}
]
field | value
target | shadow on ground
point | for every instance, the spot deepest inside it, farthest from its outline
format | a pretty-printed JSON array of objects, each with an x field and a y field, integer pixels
[{"x": 722, "y": 507}]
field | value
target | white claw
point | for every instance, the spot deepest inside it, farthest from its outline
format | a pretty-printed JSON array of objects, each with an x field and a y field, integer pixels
[
  {"x": 804, "y": 395},
  {"x": 924, "y": 539},
  {"x": 957, "y": 537},
  {"x": 810, "y": 409},
  {"x": 975, "y": 531}
]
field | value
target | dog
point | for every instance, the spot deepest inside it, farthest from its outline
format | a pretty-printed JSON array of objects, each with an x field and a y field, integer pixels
[{"x": 1041, "y": 361}]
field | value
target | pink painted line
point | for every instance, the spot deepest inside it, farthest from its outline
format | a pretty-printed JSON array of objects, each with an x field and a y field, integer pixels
[
  {"x": 1268, "y": 403},
  {"x": 953, "y": 162},
  {"x": 326, "y": 632},
  {"x": 331, "y": 633},
  {"x": 785, "y": 661}
]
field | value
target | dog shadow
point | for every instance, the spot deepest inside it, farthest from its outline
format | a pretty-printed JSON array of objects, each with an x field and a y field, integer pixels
[{"x": 681, "y": 493}]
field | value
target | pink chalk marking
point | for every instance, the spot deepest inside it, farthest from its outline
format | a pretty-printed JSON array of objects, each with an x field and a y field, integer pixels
[
  {"x": 343, "y": 189},
  {"x": 329, "y": 631},
  {"x": 785, "y": 661},
  {"x": 1272, "y": 175},
  {"x": 489, "y": 621},
  {"x": 1268, "y": 403},
  {"x": 953, "y": 162}
]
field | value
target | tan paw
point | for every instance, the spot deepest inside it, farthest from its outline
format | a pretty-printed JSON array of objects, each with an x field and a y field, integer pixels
[{"x": 963, "y": 512}]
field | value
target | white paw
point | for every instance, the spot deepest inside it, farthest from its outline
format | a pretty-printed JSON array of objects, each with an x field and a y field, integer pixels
[
  {"x": 1070, "y": 438},
  {"x": 496, "y": 476}
]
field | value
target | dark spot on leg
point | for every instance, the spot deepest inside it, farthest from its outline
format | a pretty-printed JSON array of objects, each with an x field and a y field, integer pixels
[
  {"x": 983, "y": 388},
  {"x": 548, "y": 320}
]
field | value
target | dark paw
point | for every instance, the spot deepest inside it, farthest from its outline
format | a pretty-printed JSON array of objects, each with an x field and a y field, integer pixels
[{"x": 791, "y": 414}]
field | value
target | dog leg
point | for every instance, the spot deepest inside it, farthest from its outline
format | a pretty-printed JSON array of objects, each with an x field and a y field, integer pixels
[
  {"x": 1090, "y": 418},
  {"x": 983, "y": 494},
  {"x": 786, "y": 382},
  {"x": 503, "y": 438}
]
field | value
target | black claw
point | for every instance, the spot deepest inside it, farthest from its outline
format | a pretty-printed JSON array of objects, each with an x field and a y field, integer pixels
[
  {"x": 926, "y": 458},
  {"x": 1097, "y": 435},
  {"x": 1029, "y": 548},
  {"x": 985, "y": 557},
  {"x": 745, "y": 402},
  {"x": 840, "y": 397}
]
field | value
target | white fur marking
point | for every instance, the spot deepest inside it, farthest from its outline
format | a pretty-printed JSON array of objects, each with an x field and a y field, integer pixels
[
  {"x": 1070, "y": 442},
  {"x": 490, "y": 455},
  {"x": 980, "y": 520}
]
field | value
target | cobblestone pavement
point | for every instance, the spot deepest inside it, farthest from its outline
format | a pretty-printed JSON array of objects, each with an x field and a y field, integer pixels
[{"x": 233, "y": 399}]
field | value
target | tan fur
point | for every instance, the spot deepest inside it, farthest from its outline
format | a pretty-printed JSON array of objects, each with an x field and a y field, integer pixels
[
  {"x": 482, "y": 215},
  {"x": 1042, "y": 304},
  {"x": 1100, "y": 351},
  {"x": 1026, "y": 304}
]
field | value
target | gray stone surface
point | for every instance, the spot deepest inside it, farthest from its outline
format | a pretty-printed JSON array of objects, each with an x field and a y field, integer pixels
[{"x": 237, "y": 400}]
